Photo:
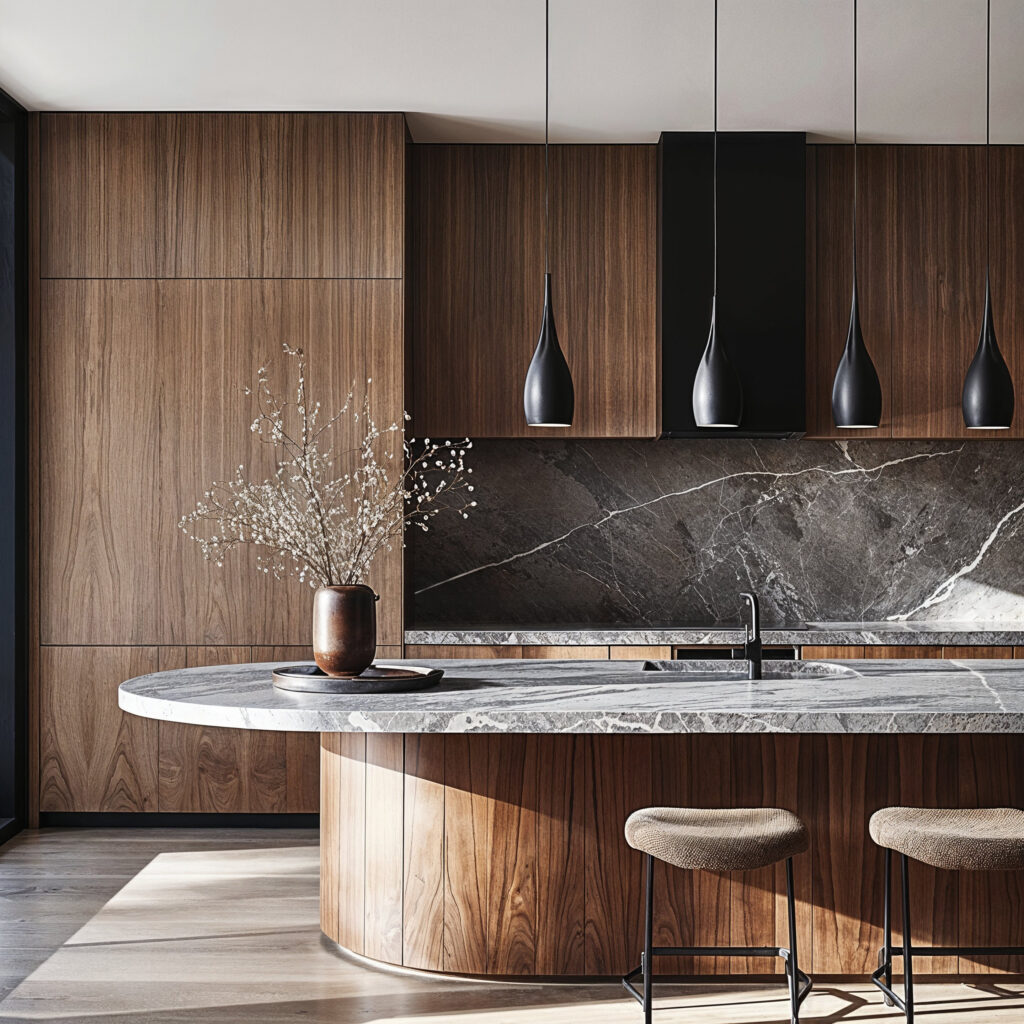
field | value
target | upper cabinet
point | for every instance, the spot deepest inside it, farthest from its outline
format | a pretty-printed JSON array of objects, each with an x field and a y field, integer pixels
[
  {"x": 199, "y": 195},
  {"x": 921, "y": 231},
  {"x": 476, "y": 267}
]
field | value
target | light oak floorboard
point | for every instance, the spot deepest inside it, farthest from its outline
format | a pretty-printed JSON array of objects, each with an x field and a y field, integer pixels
[{"x": 172, "y": 926}]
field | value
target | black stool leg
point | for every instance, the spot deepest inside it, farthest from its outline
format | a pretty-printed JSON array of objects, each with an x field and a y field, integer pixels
[
  {"x": 887, "y": 923},
  {"x": 791, "y": 967},
  {"x": 648, "y": 961},
  {"x": 908, "y": 966}
]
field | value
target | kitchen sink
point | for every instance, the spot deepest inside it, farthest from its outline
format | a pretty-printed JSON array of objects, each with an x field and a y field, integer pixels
[{"x": 738, "y": 668}]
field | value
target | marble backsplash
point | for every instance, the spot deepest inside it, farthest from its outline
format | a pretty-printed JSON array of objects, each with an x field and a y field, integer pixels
[{"x": 668, "y": 532}]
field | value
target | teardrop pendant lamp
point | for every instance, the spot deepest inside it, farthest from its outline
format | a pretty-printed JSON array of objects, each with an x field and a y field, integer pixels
[
  {"x": 548, "y": 396},
  {"x": 717, "y": 391},
  {"x": 856, "y": 392},
  {"x": 988, "y": 388}
]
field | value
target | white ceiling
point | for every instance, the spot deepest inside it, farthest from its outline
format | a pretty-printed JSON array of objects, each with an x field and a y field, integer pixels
[{"x": 473, "y": 70}]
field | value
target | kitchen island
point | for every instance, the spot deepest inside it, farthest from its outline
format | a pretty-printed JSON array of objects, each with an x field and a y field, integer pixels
[{"x": 476, "y": 827}]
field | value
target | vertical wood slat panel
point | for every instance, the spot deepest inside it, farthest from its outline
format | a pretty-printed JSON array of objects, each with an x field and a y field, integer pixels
[
  {"x": 853, "y": 777},
  {"x": 93, "y": 756},
  {"x": 194, "y": 195},
  {"x": 561, "y": 842},
  {"x": 424, "y": 893},
  {"x": 617, "y": 781},
  {"x": 343, "y": 822},
  {"x": 385, "y": 824},
  {"x": 468, "y": 829}
]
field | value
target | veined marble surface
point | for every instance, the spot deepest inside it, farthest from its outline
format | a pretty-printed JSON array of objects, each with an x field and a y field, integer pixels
[
  {"x": 618, "y": 534},
  {"x": 610, "y": 697},
  {"x": 893, "y": 634}
]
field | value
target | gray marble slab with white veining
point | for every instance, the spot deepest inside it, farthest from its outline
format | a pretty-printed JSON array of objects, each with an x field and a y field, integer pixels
[
  {"x": 513, "y": 696},
  {"x": 893, "y": 634}
]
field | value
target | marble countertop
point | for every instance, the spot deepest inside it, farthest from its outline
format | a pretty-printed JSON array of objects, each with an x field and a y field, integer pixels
[
  {"x": 515, "y": 696},
  {"x": 819, "y": 634}
]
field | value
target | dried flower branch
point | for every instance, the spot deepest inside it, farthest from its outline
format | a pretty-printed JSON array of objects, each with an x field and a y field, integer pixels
[{"x": 317, "y": 522}]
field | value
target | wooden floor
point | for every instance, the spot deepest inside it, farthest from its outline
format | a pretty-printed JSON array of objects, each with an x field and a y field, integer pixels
[{"x": 164, "y": 926}]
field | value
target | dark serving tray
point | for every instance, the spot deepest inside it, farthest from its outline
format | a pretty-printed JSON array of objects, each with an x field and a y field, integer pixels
[{"x": 376, "y": 679}]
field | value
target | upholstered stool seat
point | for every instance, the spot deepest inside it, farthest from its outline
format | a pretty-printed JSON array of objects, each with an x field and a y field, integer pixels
[
  {"x": 702, "y": 839},
  {"x": 734, "y": 839},
  {"x": 972, "y": 839}
]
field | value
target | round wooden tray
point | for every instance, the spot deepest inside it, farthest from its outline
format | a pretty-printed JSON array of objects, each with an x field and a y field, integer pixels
[{"x": 376, "y": 679}]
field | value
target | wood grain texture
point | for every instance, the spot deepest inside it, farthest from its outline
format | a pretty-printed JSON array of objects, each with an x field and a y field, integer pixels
[
  {"x": 424, "y": 894},
  {"x": 343, "y": 838},
  {"x": 852, "y": 779},
  {"x": 830, "y": 273},
  {"x": 113, "y": 496},
  {"x": 812, "y": 653},
  {"x": 462, "y": 651},
  {"x": 938, "y": 286},
  {"x": 926, "y": 776},
  {"x": 770, "y": 771},
  {"x": 385, "y": 837},
  {"x": 582, "y": 652},
  {"x": 901, "y": 651},
  {"x": 468, "y": 830},
  {"x": 692, "y": 908},
  {"x": 93, "y": 756},
  {"x": 991, "y": 774},
  {"x": 99, "y": 195},
  {"x": 222, "y": 195},
  {"x": 978, "y": 652},
  {"x": 639, "y": 652},
  {"x": 617, "y": 781},
  {"x": 561, "y": 846},
  {"x": 215, "y": 770},
  {"x": 477, "y": 267}
]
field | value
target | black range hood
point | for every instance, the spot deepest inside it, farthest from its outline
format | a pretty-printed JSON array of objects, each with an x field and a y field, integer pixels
[{"x": 761, "y": 268}]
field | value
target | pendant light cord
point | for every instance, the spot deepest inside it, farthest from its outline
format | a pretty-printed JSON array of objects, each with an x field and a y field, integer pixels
[
  {"x": 988, "y": 140},
  {"x": 547, "y": 102},
  {"x": 714, "y": 286},
  {"x": 855, "y": 143}
]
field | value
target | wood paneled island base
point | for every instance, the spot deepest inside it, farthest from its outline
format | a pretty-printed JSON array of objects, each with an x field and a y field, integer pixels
[{"x": 503, "y": 855}]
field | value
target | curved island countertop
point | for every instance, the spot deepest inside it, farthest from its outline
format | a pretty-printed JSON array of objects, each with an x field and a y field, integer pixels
[{"x": 574, "y": 697}]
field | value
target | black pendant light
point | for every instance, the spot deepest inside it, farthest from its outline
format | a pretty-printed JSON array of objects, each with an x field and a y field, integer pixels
[
  {"x": 856, "y": 393},
  {"x": 717, "y": 391},
  {"x": 548, "y": 397},
  {"x": 988, "y": 387}
]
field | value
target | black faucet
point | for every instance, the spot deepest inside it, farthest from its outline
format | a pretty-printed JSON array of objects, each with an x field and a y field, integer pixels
[{"x": 752, "y": 636}]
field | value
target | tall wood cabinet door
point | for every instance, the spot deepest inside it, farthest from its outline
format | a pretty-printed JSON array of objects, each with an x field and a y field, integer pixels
[
  {"x": 93, "y": 756},
  {"x": 222, "y": 195},
  {"x": 830, "y": 273},
  {"x": 477, "y": 266},
  {"x": 938, "y": 286},
  {"x": 141, "y": 409}
]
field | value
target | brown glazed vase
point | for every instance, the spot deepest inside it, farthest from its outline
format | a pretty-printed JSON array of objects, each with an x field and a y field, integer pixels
[{"x": 344, "y": 629}]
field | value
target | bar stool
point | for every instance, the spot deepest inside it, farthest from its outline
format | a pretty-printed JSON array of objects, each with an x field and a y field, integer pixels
[
  {"x": 982, "y": 839},
  {"x": 738, "y": 839}
]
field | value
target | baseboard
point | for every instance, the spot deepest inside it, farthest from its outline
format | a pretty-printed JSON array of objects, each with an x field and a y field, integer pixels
[
  {"x": 9, "y": 827},
  {"x": 105, "y": 819}
]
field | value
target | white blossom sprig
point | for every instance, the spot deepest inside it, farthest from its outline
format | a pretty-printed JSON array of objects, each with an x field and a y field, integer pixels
[{"x": 313, "y": 519}]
